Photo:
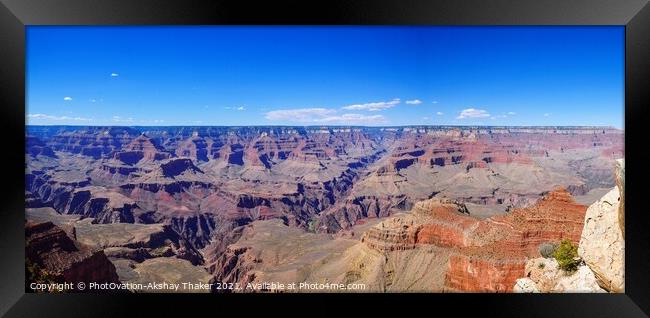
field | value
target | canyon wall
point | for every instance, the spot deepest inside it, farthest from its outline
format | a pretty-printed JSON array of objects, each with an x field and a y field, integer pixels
[
  {"x": 50, "y": 252},
  {"x": 493, "y": 189},
  {"x": 601, "y": 250},
  {"x": 487, "y": 255}
]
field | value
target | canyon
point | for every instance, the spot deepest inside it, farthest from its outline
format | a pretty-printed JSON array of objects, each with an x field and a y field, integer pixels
[{"x": 413, "y": 208}]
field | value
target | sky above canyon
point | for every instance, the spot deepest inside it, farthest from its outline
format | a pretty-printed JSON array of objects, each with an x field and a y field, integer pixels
[{"x": 372, "y": 76}]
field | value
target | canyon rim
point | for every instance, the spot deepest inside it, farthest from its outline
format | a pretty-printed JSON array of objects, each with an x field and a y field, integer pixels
[
  {"x": 341, "y": 159},
  {"x": 396, "y": 209}
]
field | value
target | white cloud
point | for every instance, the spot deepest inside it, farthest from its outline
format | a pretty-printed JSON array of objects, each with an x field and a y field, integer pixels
[
  {"x": 547, "y": 114},
  {"x": 425, "y": 118},
  {"x": 304, "y": 115},
  {"x": 357, "y": 119},
  {"x": 440, "y": 113},
  {"x": 376, "y": 106},
  {"x": 473, "y": 113},
  {"x": 322, "y": 116},
  {"x": 56, "y": 118},
  {"x": 92, "y": 100},
  {"x": 435, "y": 102},
  {"x": 114, "y": 75},
  {"x": 240, "y": 108},
  {"x": 122, "y": 120},
  {"x": 414, "y": 102},
  {"x": 67, "y": 98},
  {"x": 512, "y": 113}
]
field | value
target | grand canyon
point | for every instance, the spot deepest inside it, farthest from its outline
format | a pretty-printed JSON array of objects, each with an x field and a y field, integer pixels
[{"x": 392, "y": 209}]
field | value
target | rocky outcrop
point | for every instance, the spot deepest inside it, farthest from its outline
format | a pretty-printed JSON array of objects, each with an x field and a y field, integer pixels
[
  {"x": 392, "y": 235},
  {"x": 486, "y": 255},
  {"x": 441, "y": 222},
  {"x": 543, "y": 275},
  {"x": 602, "y": 245},
  {"x": 137, "y": 241},
  {"x": 36, "y": 147},
  {"x": 175, "y": 167},
  {"x": 142, "y": 148},
  {"x": 196, "y": 148},
  {"x": 601, "y": 248},
  {"x": 525, "y": 285},
  {"x": 480, "y": 274},
  {"x": 620, "y": 183},
  {"x": 102, "y": 205},
  {"x": 499, "y": 247},
  {"x": 234, "y": 266},
  {"x": 204, "y": 182},
  {"x": 94, "y": 142},
  {"x": 73, "y": 194},
  {"x": 63, "y": 259},
  {"x": 583, "y": 280}
]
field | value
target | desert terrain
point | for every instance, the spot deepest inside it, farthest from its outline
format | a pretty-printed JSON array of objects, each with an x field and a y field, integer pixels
[{"x": 390, "y": 209}]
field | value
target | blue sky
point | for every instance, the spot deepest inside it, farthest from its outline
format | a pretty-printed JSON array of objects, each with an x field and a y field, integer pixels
[{"x": 325, "y": 75}]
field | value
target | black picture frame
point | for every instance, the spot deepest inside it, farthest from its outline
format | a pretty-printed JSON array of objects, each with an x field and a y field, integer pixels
[{"x": 16, "y": 14}]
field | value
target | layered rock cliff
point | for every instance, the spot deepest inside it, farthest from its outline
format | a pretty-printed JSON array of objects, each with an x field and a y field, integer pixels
[
  {"x": 484, "y": 256},
  {"x": 438, "y": 246},
  {"x": 204, "y": 184},
  {"x": 61, "y": 258},
  {"x": 602, "y": 245},
  {"x": 601, "y": 250}
]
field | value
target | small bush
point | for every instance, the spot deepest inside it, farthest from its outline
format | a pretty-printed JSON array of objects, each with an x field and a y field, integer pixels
[
  {"x": 547, "y": 249},
  {"x": 311, "y": 226},
  {"x": 541, "y": 265},
  {"x": 566, "y": 256},
  {"x": 34, "y": 274}
]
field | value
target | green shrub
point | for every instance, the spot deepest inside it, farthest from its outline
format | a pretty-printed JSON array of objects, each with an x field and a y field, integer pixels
[
  {"x": 547, "y": 249},
  {"x": 566, "y": 256},
  {"x": 34, "y": 274}
]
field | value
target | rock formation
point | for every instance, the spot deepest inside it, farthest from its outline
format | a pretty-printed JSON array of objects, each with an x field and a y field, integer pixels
[
  {"x": 62, "y": 258},
  {"x": 601, "y": 248},
  {"x": 204, "y": 184},
  {"x": 602, "y": 245},
  {"x": 502, "y": 244},
  {"x": 543, "y": 275},
  {"x": 620, "y": 183},
  {"x": 438, "y": 246},
  {"x": 486, "y": 255}
]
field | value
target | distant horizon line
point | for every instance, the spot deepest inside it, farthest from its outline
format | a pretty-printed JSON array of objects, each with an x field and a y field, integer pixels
[{"x": 342, "y": 126}]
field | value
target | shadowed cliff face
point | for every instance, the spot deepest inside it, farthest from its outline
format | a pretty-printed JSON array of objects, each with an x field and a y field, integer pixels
[
  {"x": 205, "y": 184},
  {"x": 53, "y": 253}
]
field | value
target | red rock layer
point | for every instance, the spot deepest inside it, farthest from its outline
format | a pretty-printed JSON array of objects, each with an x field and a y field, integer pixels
[
  {"x": 489, "y": 255},
  {"x": 512, "y": 239},
  {"x": 448, "y": 226},
  {"x": 482, "y": 275},
  {"x": 445, "y": 226}
]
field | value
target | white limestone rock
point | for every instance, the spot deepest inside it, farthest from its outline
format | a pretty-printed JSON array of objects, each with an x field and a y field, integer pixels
[
  {"x": 544, "y": 272},
  {"x": 581, "y": 281},
  {"x": 525, "y": 285},
  {"x": 601, "y": 245}
]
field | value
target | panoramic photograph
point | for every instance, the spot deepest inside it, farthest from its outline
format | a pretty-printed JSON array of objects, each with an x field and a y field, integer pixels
[{"x": 324, "y": 159}]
